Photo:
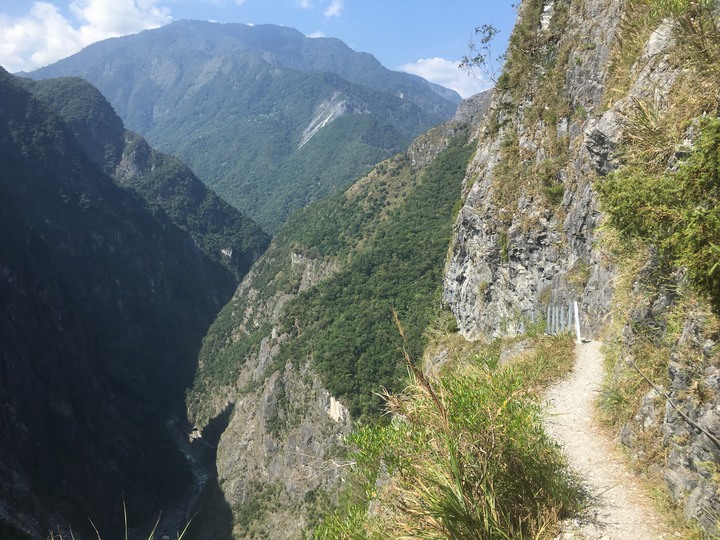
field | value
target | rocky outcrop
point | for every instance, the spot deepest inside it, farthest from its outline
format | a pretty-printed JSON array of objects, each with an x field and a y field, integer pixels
[
  {"x": 692, "y": 426},
  {"x": 279, "y": 455},
  {"x": 471, "y": 110},
  {"x": 514, "y": 256},
  {"x": 508, "y": 263}
]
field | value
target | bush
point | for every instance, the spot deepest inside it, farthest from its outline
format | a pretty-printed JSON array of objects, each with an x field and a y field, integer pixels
[
  {"x": 677, "y": 211},
  {"x": 465, "y": 457}
]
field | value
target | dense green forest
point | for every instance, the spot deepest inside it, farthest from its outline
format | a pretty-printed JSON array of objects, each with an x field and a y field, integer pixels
[
  {"x": 346, "y": 323},
  {"x": 388, "y": 234},
  {"x": 105, "y": 302}
]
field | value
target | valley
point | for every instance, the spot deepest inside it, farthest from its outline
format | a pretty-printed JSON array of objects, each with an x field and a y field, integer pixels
[{"x": 256, "y": 285}]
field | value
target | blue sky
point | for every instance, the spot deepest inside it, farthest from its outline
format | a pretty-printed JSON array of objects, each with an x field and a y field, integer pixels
[{"x": 426, "y": 37}]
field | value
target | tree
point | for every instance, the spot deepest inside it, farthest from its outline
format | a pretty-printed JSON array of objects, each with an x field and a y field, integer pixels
[{"x": 480, "y": 55}]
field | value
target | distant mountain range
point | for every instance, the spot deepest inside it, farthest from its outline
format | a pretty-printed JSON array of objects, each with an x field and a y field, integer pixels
[{"x": 268, "y": 118}]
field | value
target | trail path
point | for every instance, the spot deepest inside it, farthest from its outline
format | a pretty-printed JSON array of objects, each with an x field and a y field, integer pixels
[{"x": 620, "y": 508}]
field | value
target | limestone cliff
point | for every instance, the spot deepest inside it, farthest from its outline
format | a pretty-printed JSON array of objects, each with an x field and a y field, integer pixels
[
  {"x": 525, "y": 235},
  {"x": 585, "y": 88}
]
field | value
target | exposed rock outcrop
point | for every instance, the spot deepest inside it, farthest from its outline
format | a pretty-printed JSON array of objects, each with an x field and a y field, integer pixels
[
  {"x": 512, "y": 256},
  {"x": 508, "y": 263}
]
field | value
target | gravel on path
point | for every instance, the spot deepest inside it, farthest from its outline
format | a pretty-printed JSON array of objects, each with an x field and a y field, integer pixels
[{"x": 619, "y": 507}]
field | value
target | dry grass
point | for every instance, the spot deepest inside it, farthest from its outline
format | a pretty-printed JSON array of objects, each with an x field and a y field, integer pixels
[{"x": 466, "y": 456}]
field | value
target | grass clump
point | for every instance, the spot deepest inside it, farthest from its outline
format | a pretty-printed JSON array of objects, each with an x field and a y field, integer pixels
[
  {"x": 52, "y": 535},
  {"x": 677, "y": 212},
  {"x": 465, "y": 456}
]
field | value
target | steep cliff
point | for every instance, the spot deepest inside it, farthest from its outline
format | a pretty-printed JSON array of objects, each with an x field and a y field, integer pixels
[
  {"x": 104, "y": 304},
  {"x": 526, "y": 233},
  {"x": 308, "y": 339},
  {"x": 591, "y": 89}
]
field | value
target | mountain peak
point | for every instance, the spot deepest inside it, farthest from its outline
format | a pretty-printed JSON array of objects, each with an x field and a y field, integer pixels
[{"x": 243, "y": 106}]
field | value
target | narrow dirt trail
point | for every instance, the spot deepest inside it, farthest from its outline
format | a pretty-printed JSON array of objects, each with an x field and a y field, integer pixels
[{"x": 620, "y": 509}]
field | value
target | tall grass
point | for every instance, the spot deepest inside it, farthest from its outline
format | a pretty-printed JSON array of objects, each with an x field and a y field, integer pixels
[
  {"x": 465, "y": 456},
  {"x": 151, "y": 536}
]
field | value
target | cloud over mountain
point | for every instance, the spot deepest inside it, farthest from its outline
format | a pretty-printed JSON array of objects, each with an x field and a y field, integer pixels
[
  {"x": 53, "y": 35},
  {"x": 447, "y": 73}
]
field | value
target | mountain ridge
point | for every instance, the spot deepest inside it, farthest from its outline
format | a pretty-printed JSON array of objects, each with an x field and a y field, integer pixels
[
  {"x": 237, "y": 113},
  {"x": 224, "y": 233},
  {"x": 105, "y": 302}
]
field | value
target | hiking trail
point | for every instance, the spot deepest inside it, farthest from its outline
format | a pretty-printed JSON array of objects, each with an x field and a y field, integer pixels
[{"x": 619, "y": 507}]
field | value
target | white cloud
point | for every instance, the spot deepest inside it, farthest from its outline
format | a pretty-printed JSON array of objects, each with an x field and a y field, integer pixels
[
  {"x": 317, "y": 34},
  {"x": 447, "y": 73},
  {"x": 45, "y": 35},
  {"x": 334, "y": 9},
  {"x": 305, "y": 4}
]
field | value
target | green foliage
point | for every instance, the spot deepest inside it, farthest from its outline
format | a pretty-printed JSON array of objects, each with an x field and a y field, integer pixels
[
  {"x": 214, "y": 224},
  {"x": 346, "y": 323},
  {"x": 104, "y": 309},
  {"x": 678, "y": 211},
  {"x": 388, "y": 236},
  {"x": 465, "y": 457},
  {"x": 261, "y": 500},
  {"x": 161, "y": 180},
  {"x": 238, "y": 119}
]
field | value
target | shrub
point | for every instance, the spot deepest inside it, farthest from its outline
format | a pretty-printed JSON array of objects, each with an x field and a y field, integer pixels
[
  {"x": 677, "y": 211},
  {"x": 464, "y": 457}
]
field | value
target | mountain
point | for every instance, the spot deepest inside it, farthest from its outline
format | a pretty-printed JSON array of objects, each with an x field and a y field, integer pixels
[
  {"x": 268, "y": 118},
  {"x": 593, "y": 178},
  {"x": 105, "y": 300},
  {"x": 308, "y": 340},
  {"x": 225, "y": 234}
]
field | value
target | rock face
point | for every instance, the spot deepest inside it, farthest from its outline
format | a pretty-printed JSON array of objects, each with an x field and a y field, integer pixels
[
  {"x": 692, "y": 427},
  {"x": 546, "y": 141},
  {"x": 278, "y": 456},
  {"x": 509, "y": 262}
]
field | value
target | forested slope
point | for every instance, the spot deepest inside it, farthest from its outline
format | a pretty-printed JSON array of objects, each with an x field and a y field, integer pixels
[
  {"x": 104, "y": 303},
  {"x": 268, "y": 118},
  {"x": 309, "y": 339}
]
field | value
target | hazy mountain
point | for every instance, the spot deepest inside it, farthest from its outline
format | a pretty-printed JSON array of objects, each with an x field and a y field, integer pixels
[
  {"x": 268, "y": 118},
  {"x": 104, "y": 303}
]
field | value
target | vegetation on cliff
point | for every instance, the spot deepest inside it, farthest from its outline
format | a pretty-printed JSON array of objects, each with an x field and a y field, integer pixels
[
  {"x": 104, "y": 303},
  {"x": 465, "y": 455},
  {"x": 663, "y": 229},
  {"x": 346, "y": 323},
  {"x": 388, "y": 236}
]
